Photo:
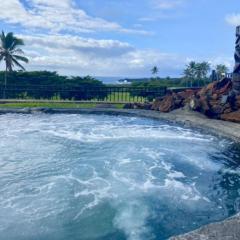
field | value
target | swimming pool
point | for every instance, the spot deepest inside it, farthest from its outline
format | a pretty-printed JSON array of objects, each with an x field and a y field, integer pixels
[{"x": 70, "y": 177}]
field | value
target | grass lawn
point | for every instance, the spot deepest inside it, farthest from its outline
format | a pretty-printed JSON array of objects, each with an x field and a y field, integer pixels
[
  {"x": 123, "y": 97},
  {"x": 55, "y": 105}
]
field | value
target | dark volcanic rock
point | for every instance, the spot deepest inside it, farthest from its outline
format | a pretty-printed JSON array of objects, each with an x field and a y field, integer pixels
[
  {"x": 128, "y": 106},
  {"x": 156, "y": 104},
  {"x": 167, "y": 104},
  {"x": 214, "y": 100},
  {"x": 105, "y": 105},
  {"x": 145, "y": 106},
  {"x": 232, "y": 116},
  {"x": 172, "y": 101},
  {"x": 41, "y": 110}
]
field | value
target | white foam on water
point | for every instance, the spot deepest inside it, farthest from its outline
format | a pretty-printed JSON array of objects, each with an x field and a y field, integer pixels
[
  {"x": 119, "y": 134},
  {"x": 131, "y": 218},
  {"x": 68, "y": 165},
  {"x": 231, "y": 171}
]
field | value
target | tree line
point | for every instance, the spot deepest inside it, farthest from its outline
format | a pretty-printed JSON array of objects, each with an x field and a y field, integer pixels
[
  {"x": 196, "y": 74},
  {"x": 50, "y": 85}
]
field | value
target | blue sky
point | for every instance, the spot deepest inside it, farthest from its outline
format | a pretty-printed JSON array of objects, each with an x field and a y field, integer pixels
[{"x": 122, "y": 37}]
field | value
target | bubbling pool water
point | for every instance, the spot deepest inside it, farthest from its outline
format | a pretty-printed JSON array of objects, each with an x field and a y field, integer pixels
[{"x": 89, "y": 177}]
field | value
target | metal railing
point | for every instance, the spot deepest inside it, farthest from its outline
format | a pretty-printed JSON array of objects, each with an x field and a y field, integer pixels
[
  {"x": 94, "y": 94},
  {"x": 229, "y": 75}
]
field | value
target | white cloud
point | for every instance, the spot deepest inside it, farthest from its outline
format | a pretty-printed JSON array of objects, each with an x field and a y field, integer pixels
[
  {"x": 164, "y": 9},
  {"x": 53, "y": 3},
  {"x": 228, "y": 61},
  {"x": 233, "y": 19},
  {"x": 82, "y": 56},
  {"x": 64, "y": 51},
  {"x": 167, "y": 4},
  {"x": 57, "y": 16},
  {"x": 76, "y": 44},
  {"x": 73, "y": 55},
  {"x": 156, "y": 18}
]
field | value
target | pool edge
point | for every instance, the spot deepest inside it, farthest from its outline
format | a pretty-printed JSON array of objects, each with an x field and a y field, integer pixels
[
  {"x": 229, "y": 130},
  {"x": 228, "y": 229}
]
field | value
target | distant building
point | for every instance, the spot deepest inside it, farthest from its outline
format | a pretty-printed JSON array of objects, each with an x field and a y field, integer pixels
[
  {"x": 132, "y": 80},
  {"x": 124, "y": 81}
]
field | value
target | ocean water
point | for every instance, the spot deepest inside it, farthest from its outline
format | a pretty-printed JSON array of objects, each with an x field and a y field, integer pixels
[
  {"x": 99, "y": 177},
  {"x": 109, "y": 80}
]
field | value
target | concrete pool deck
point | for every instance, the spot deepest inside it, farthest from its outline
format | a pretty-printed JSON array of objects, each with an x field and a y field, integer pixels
[
  {"x": 228, "y": 229},
  {"x": 225, "y": 230}
]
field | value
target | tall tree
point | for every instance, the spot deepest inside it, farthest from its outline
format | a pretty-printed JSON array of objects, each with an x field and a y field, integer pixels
[
  {"x": 221, "y": 69},
  {"x": 196, "y": 72},
  {"x": 190, "y": 72},
  {"x": 203, "y": 70},
  {"x": 155, "y": 70},
  {"x": 11, "y": 53}
]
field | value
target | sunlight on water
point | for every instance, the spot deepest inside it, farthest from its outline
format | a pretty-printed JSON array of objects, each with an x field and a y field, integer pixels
[{"x": 89, "y": 177}]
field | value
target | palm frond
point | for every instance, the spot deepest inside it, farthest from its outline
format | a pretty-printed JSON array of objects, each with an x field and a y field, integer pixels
[
  {"x": 2, "y": 37},
  {"x": 16, "y": 42},
  {"x": 17, "y": 51},
  {"x": 2, "y": 40},
  {"x": 8, "y": 41},
  {"x": 21, "y": 58},
  {"x": 18, "y": 64}
]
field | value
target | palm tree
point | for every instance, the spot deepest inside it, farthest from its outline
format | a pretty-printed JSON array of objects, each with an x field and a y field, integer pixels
[
  {"x": 190, "y": 72},
  {"x": 11, "y": 54},
  {"x": 155, "y": 70},
  {"x": 203, "y": 68},
  {"x": 195, "y": 72},
  {"x": 221, "y": 70}
]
